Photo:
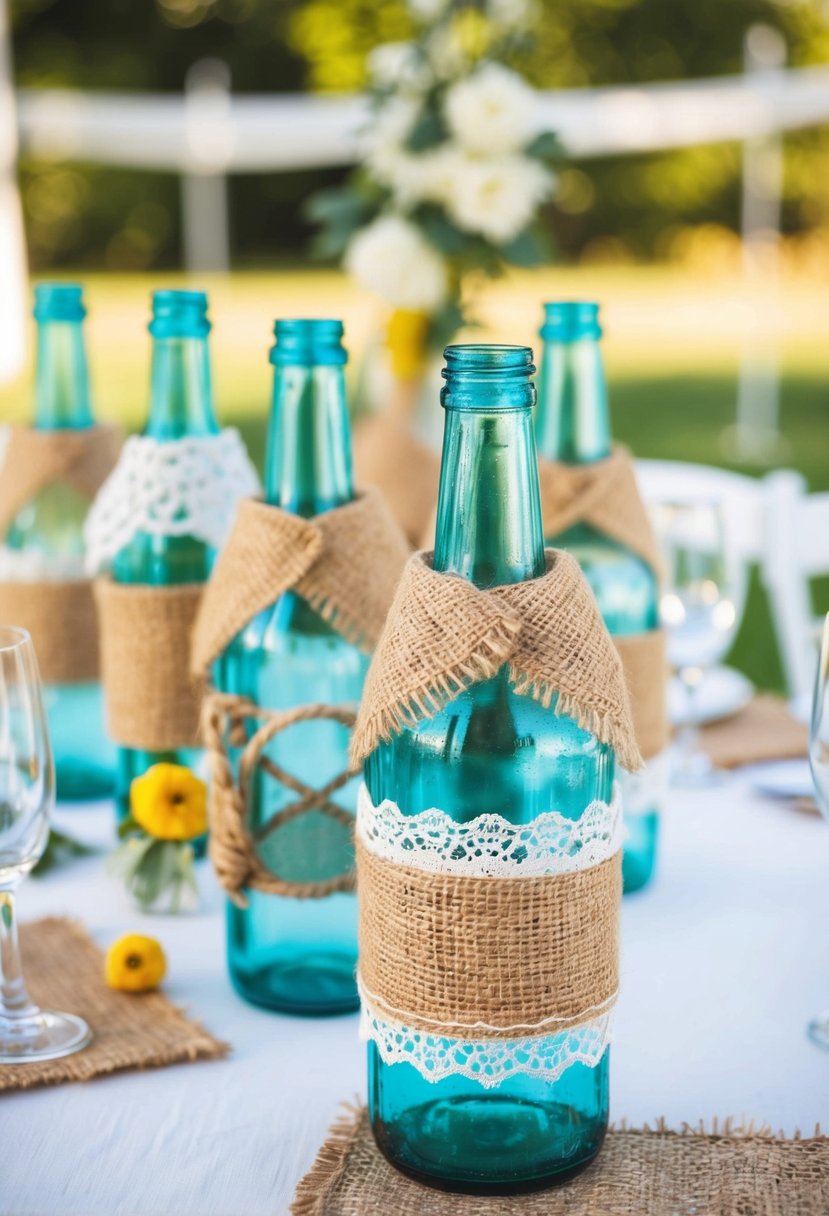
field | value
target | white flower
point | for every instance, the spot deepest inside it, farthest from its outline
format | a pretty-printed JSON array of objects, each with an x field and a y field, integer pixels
[
  {"x": 497, "y": 198},
  {"x": 382, "y": 143},
  {"x": 492, "y": 112},
  {"x": 391, "y": 257},
  {"x": 514, "y": 14},
  {"x": 398, "y": 65},
  {"x": 427, "y": 10}
]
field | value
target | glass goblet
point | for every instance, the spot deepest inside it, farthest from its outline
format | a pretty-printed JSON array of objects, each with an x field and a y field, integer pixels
[
  {"x": 818, "y": 1029},
  {"x": 27, "y": 795}
]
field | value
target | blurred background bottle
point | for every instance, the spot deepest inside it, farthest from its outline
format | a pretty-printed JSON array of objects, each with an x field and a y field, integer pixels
[
  {"x": 490, "y": 750},
  {"x": 45, "y": 540},
  {"x": 299, "y": 955},
  {"x": 181, "y": 406},
  {"x": 573, "y": 427}
]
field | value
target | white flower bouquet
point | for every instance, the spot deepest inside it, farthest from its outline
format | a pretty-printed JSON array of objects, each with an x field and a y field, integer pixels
[{"x": 454, "y": 170}]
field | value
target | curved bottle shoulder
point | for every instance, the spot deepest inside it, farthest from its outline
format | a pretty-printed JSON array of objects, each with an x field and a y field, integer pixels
[
  {"x": 163, "y": 561},
  {"x": 51, "y": 526},
  {"x": 625, "y": 586},
  {"x": 493, "y": 750}
]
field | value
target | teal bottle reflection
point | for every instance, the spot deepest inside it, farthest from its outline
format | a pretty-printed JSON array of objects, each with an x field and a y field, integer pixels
[
  {"x": 573, "y": 427},
  {"x": 489, "y": 750},
  {"x": 299, "y": 955},
  {"x": 49, "y": 530},
  {"x": 181, "y": 405}
]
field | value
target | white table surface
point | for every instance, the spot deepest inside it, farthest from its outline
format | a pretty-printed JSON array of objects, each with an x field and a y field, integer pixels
[{"x": 724, "y": 959}]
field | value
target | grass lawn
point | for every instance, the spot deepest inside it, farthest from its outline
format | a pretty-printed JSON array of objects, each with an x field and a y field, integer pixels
[{"x": 674, "y": 342}]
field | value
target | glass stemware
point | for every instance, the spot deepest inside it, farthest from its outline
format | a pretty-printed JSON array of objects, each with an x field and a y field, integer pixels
[
  {"x": 27, "y": 795},
  {"x": 698, "y": 608},
  {"x": 818, "y": 1029}
]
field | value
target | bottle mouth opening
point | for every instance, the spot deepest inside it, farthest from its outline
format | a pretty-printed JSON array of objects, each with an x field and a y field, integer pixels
[
  {"x": 569, "y": 320},
  {"x": 487, "y": 376},
  {"x": 179, "y": 314},
  {"x": 308, "y": 342},
  {"x": 59, "y": 302}
]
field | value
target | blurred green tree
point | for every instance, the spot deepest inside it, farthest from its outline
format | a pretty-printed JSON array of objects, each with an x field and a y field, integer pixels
[{"x": 638, "y": 205}]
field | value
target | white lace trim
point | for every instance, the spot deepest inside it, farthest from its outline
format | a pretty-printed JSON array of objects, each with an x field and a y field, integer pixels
[
  {"x": 177, "y": 487},
  {"x": 489, "y": 846},
  {"x": 487, "y": 1061}
]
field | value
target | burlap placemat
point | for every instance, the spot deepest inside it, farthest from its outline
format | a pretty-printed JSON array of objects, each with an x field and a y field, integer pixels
[
  {"x": 35, "y": 459},
  {"x": 152, "y": 703},
  {"x": 62, "y": 621},
  {"x": 603, "y": 494},
  {"x": 638, "y": 1173},
  {"x": 764, "y": 730},
  {"x": 443, "y": 634},
  {"x": 345, "y": 563},
  {"x": 64, "y": 970},
  {"x": 389, "y": 456}
]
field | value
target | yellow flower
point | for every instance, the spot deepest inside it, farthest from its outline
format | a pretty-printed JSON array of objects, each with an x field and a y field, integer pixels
[
  {"x": 169, "y": 802},
  {"x": 472, "y": 32},
  {"x": 406, "y": 342},
  {"x": 135, "y": 963}
]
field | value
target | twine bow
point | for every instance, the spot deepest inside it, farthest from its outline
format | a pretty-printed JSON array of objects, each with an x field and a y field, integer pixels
[{"x": 234, "y": 850}]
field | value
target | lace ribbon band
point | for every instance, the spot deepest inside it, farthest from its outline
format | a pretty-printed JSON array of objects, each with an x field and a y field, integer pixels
[
  {"x": 345, "y": 563},
  {"x": 31, "y": 460},
  {"x": 547, "y": 631},
  {"x": 151, "y": 702},
  {"x": 61, "y": 618},
  {"x": 175, "y": 487},
  {"x": 495, "y": 930},
  {"x": 603, "y": 494}
]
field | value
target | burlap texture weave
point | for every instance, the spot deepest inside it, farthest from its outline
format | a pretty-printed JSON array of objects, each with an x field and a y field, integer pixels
[
  {"x": 63, "y": 623},
  {"x": 388, "y": 455},
  {"x": 345, "y": 563},
  {"x": 642, "y": 1172},
  {"x": 65, "y": 970},
  {"x": 646, "y": 675},
  {"x": 443, "y": 634},
  {"x": 764, "y": 730},
  {"x": 35, "y": 459},
  {"x": 498, "y": 957},
  {"x": 152, "y": 702},
  {"x": 603, "y": 494}
]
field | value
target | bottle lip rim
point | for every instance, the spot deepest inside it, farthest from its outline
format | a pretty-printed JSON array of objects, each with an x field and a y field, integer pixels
[
  {"x": 179, "y": 313},
  {"x": 308, "y": 342},
  {"x": 569, "y": 320},
  {"x": 56, "y": 301}
]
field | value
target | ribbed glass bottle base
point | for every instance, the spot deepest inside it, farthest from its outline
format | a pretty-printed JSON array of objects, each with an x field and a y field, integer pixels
[{"x": 639, "y": 857}]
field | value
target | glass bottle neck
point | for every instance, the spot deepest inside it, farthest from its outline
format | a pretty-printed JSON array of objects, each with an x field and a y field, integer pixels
[
  {"x": 62, "y": 400},
  {"x": 573, "y": 420},
  {"x": 308, "y": 458},
  {"x": 489, "y": 515},
  {"x": 181, "y": 393}
]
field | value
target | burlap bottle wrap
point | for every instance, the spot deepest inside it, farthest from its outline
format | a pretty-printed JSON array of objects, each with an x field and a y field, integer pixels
[
  {"x": 489, "y": 948},
  {"x": 345, "y": 564},
  {"x": 58, "y": 613},
  {"x": 605, "y": 495}
]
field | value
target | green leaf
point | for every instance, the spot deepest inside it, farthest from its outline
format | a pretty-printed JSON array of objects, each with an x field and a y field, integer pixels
[
  {"x": 338, "y": 205},
  {"x": 439, "y": 229},
  {"x": 60, "y": 848},
  {"x": 545, "y": 146},
  {"x": 530, "y": 248},
  {"x": 428, "y": 131},
  {"x": 445, "y": 323}
]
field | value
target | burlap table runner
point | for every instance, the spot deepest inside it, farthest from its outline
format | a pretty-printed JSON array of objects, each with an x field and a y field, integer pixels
[
  {"x": 443, "y": 634},
  {"x": 152, "y": 703},
  {"x": 62, "y": 621},
  {"x": 65, "y": 970},
  {"x": 643, "y": 1172},
  {"x": 764, "y": 730},
  {"x": 388, "y": 455},
  {"x": 345, "y": 563},
  {"x": 36, "y": 459}
]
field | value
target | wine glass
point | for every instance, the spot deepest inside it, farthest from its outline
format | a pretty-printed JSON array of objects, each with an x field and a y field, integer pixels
[
  {"x": 818, "y": 1029},
  {"x": 27, "y": 795},
  {"x": 698, "y": 608}
]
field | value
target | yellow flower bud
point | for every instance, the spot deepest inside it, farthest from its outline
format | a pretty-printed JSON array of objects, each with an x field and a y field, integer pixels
[
  {"x": 406, "y": 341},
  {"x": 135, "y": 964},
  {"x": 169, "y": 802}
]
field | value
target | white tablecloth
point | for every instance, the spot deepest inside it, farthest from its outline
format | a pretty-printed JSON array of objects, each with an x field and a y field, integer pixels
[{"x": 724, "y": 960}]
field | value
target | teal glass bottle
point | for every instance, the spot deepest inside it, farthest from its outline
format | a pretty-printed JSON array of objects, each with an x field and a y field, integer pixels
[
  {"x": 573, "y": 427},
  {"x": 489, "y": 749},
  {"x": 181, "y": 405},
  {"x": 49, "y": 532},
  {"x": 286, "y": 954}
]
